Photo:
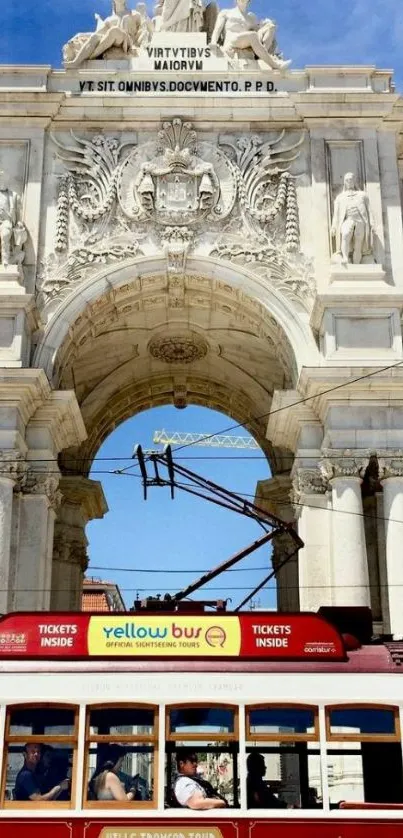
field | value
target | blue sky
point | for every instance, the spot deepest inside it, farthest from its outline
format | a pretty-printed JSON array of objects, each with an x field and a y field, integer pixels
[
  {"x": 314, "y": 32},
  {"x": 186, "y": 535}
]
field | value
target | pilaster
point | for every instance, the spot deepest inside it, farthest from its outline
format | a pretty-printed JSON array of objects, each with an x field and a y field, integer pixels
[
  {"x": 82, "y": 500},
  {"x": 274, "y": 496},
  {"x": 391, "y": 476}
]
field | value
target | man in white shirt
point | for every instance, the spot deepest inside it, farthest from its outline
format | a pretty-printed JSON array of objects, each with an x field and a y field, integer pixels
[{"x": 189, "y": 789}]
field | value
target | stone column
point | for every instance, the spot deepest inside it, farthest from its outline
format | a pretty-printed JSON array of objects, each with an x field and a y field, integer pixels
[
  {"x": 391, "y": 474},
  {"x": 82, "y": 501},
  {"x": 350, "y": 577},
  {"x": 11, "y": 473},
  {"x": 383, "y": 574},
  {"x": 38, "y": 501},
  {"x": 312, "y": 506},
  {"x": 274, "y": 496},
  {"x": 287, "y": 576}
]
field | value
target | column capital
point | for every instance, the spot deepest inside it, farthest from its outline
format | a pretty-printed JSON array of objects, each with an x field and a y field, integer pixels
[
  {"x": 70, "y": 550},
  {"x": 13, "y": 467},
  {"x": 43, "y": 483},
  {"x": 390, "y": 464},
  {"x": 343, "y": 464},
  {"x": 308, "y": 481}
]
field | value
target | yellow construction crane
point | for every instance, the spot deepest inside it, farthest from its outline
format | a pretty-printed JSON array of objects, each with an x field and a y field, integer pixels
[{"x": 218, "y": 441}]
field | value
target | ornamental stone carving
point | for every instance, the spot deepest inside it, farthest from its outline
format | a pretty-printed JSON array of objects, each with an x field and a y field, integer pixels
[
  {"x": 347, "y": 463},
  {"x": 352, "y": 224},
  {"x": 308, "y": 481},
  {"x": 70, "y": 550},
  {"x": 13, "y": 233},
  {"x": 176, "y": 195},
  {"x": 243, "y": 35},
  {"x": 43, "y": 483},
  {"x": 390, "y": 464},
  {"x": 13, "y": 467},
  {"x": 176, "y": 242},
  {"x": 174, "y": 184},
  {"x": 178, "y": 349}
]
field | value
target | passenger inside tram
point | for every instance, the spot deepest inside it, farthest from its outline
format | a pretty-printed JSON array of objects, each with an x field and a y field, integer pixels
[
  {"x": 287, "y": 766},
  {"x": 190, "y": 789},
  {"x": 258, "y": 792},
  {"x": 105, "y": 783},
  {"x": 35, "y": 780}
]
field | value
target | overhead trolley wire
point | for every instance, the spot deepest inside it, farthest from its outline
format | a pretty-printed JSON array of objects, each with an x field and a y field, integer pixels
[{"x": 261, "y": 416}]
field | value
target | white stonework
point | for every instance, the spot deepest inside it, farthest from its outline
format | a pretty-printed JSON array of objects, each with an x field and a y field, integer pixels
[{"x": 178, "y": 228}]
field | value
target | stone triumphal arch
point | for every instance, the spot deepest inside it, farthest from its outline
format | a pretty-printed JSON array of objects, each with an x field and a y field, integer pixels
[{"x": 184, "y": 219}]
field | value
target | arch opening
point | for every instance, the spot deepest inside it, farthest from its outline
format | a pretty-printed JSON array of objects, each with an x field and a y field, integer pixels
[{"x": 137, "y": 342}]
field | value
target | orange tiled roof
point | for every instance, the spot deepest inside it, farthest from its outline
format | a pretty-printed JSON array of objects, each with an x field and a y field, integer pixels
[{"x": 94, "y": 601}]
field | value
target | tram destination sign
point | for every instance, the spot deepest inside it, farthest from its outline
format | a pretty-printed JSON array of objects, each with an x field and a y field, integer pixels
[{"x": 265, "y": 636}]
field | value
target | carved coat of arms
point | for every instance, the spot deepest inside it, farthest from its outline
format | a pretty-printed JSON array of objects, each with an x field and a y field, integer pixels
[{"x": 173, "y": 185}]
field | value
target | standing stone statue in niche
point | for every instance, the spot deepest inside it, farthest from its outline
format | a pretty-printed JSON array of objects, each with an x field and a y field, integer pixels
[
  {"x": 240, "y": 31},
  {"x": 352, "y": 224},
  {"x": 13, "y": 233},
  {"x": 116, "y": 36}
]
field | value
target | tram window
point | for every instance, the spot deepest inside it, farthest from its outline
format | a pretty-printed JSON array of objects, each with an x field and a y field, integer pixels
[
  {"x": 27, "y": 721},
  {"x": 190, "y": 720},
  {"x": 283, "y": 757},
  {"x": 214, "y": 770},
  {"x": 40, "y": 756},
  {"x": 206, "y": 737},
  {"x": 364, "y": 757},
  {"x": 120, "y": 756},
  {"x": 362, "y": 721},
  {"x": 289, "y": 721},
  {"x": 284, "y": 775}
]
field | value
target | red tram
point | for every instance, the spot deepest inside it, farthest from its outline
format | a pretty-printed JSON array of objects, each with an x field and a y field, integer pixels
[{"x": 325, "y": 724}]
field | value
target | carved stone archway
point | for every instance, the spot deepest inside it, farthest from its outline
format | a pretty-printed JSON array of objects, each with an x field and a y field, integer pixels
[{"x": 137, "y": 337}]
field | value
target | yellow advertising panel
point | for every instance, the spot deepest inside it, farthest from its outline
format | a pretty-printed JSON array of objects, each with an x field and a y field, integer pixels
[{"x": 163, "y": 636}]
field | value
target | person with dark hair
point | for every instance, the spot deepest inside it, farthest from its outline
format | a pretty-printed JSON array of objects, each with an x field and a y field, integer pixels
[
  {"x": 105, "y": 784},
  {"x": 258, "y": 794},
  {"x": 189, "y": 789},
  {"x": 28, "y": 779}
]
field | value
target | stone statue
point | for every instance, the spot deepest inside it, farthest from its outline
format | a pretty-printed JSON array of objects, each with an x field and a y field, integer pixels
[
  {"x": 241, "y": 30},
  {"x": 352, "y": 224},
  {"x": 123, "y": 31},
  {"x": 13, "y": 233},
  {"x": 179, "y": 16}
]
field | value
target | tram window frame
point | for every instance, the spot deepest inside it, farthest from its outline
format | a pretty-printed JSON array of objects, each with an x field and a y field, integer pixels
[
  {"x": 151, "y": 739},
  {"x": 332, "y": 736},
  {"x": 280, "y": 740},
  {"x": 179, "y": 736},
  {"x": 40, "y": 739},
  {"x": 220, "y": 742},
  {"x": 364, "y": 741},
  {"x": 281, "y": 737}
]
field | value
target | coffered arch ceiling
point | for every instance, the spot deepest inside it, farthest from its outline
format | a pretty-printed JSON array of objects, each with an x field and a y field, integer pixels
[{"x": 159, "y": 340}]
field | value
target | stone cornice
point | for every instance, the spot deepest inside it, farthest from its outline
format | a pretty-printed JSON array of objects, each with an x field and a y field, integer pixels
[
  {"x": 86, "y": 493},
  {"x": 39, "y": 94},
  {"x": 61, "y": 415},
  {"x": 23, "y": 389},
  {"x": 319, "y": 385},
  {"x": 287, "y": 418}
]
